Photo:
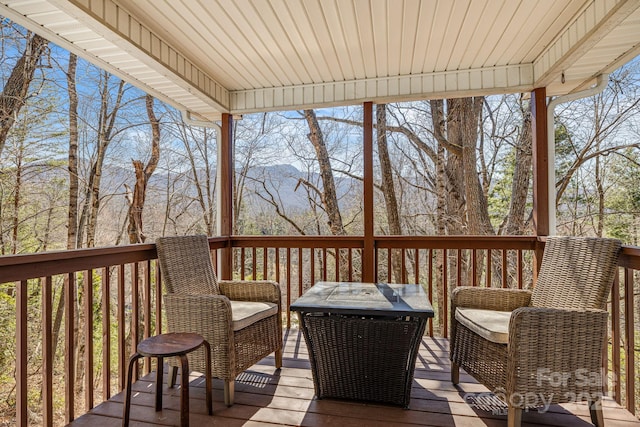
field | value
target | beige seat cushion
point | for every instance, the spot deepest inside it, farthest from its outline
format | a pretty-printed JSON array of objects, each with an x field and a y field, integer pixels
[
  {"x": 489, "y": 324},
  {"x": 245, "y": 313}
]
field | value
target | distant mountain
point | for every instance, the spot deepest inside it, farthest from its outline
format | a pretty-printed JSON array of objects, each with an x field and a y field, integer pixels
[{"x": 286, "y": 184}]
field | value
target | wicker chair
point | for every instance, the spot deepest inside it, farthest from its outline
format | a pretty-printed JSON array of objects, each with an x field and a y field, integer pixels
[
  {"x": 544, "y": 346},
  {"x": 240, "y": 319}
]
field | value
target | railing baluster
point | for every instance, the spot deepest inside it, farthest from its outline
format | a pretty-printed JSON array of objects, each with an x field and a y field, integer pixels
[
  {"x": 254, "y": 261},
  {"x": 88, "y": 340},
  {"x": 69, "y": 347},
  {"x": 389, "y": 264},
  {"x": 324, "y": 264},
  {"x": 459, "y": 268},
  {"x": 376, "y": 261},
  {"x": 242, "y": 264},
  {"x": 47, "y": 351},
  {"x": 313, "y": 265},
  {"x": 146, "y": 299},
  {"x": 445, "y": 281},
  {"x": 417, "y": 268},
  {"x": 615, "y": 338},
  {"x": 158, "y": 287},
  {"x": 300, "y": 272},
  {"x": 519, "y": 268},
  {"x": 336, "y": 251},
  {"x": 629, "y": 329},
  {"x": 121, "y": 328},
  {"x": 265, "y": 261},
  {"x": 505, "y": 273},
  {"x": 22, "y": 352},
  {"x": 474, "y": 267},
  {"x": 430, "y": 278},
  {"x": 135, "y": 313},
  {"x": 288, "y": 286},
  {"x": 403, "y": 263},
  {"x": 489, "y": 265},
  {"x": 106, "y": 334},
  {"x": 277, "y": 264}
]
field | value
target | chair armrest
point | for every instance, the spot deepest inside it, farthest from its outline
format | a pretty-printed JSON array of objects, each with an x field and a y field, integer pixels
[
  {"x": 552, "y": 325},
  {"x": 251, "y": 290},
  {"x": 551, "y": 341},
  {"x": 207, "y": 315},
  {"x": 489, "y": 298}
]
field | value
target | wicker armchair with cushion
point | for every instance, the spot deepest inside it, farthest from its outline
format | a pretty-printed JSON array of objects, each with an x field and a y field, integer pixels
[
  {"x": 240, "y": 319},
  {"x": 540, "y": 347}
]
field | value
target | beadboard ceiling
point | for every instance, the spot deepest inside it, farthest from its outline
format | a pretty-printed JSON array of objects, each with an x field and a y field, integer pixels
[{"x": 239, "y": 56}]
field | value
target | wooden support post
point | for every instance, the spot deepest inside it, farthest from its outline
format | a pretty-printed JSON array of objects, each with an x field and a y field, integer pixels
[
  {"x": 368, "y": 252},
  {"x": 541, "y": 166},
  {"x": 225, "y": 198}
]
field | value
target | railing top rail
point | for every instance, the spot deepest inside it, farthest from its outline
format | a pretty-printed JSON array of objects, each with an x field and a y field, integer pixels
[
  {"x": 13, "y": 267},
  {"x": 27, "y": 266},
  {"x": 630, "y": 257},
  {"x": 298, "y": 241},
  {"x": 435, "y": 242},
  {"x": 457, "y": 242}
]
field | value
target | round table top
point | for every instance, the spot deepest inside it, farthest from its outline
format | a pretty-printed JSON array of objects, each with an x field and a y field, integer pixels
[{"x": 171, "y": 344}]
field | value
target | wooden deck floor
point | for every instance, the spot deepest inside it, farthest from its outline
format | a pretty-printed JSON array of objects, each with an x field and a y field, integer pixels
[{"x": 266, "y": 397}]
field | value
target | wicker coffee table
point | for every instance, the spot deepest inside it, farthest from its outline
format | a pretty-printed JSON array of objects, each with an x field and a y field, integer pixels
[{"x": 363, "y": 338}]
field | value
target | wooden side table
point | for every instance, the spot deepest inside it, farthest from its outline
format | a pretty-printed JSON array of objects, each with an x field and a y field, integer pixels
[{"x": 168, "y": 345}]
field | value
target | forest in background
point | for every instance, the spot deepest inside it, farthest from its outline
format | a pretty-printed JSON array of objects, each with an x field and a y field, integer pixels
[{"x": 87, "y": 160}]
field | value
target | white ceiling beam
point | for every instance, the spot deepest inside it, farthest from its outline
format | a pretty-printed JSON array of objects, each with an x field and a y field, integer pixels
[
  {"x": 589, "y": 27},
  {"x": 450, "y": 84}
]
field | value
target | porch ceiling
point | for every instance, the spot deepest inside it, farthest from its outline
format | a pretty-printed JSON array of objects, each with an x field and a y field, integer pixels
[{"x": 240, "y": 56}]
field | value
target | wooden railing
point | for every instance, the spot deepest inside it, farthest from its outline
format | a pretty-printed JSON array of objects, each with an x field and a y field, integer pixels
[
  {"x": 118, "y": 291},
  {"x": 297, "y": 263}
]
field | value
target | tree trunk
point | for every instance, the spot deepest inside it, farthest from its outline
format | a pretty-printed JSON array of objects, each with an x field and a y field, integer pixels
[
  {"x": 448, "y": 134},
  {"x": 17, "y": 196},
  {"x": 72, "y": 223},
  {"x": 441, "y": 230},
  {"x": 137, "y": 198},
  {"x": 388, "y": 188},
  {"x": 106, "y": 122},
  {"x": 14, "y": 93},
  {"x": 467, "y": 113},
  {"x": 329, "y": 195},
  {"x": 521, "y": 179},
  {"x": 72, "y": 220}
]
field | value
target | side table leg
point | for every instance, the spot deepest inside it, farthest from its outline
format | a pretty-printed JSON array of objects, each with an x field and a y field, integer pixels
[
  {"x": 172, "y": 376},
  {"x": 159, "y": 380},
  {"x": 184, "y": 397},
  {"x": 127, "y": 397},
  {"x": 207, "y": 371}
]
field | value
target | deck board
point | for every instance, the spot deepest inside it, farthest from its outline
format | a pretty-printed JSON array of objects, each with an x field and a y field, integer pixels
[{"x": 268, "y": 397}]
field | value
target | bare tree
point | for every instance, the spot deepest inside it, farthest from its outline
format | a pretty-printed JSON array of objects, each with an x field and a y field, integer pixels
[
  {"x": 329, "y": 195},
  {"x": 72, "y": 223},
  {"x": 136, "y": 197},
  {"x": 87, "y": 223},
  {"x": 15, "y": 91},
  {"x": 589, "y": 133},
  {"x": 515, "y": 224},
  {"x": 388, "y": 187}
]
